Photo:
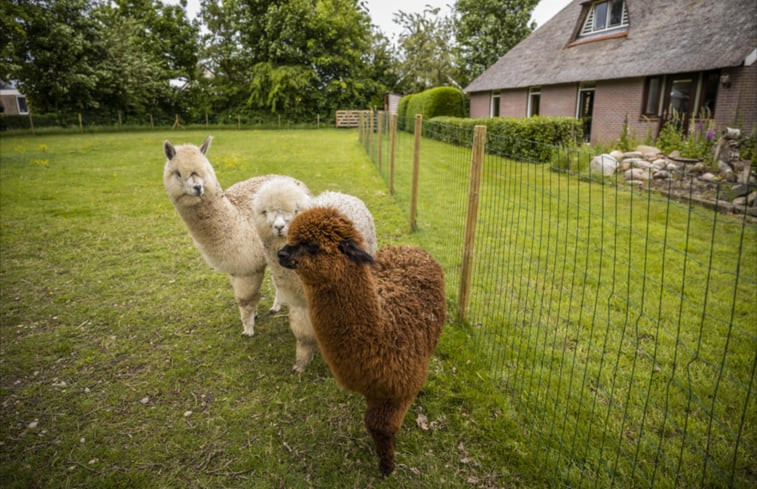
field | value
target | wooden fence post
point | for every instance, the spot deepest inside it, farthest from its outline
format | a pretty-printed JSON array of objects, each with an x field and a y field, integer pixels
[
  {"x": 239, "y": 122},
  {"x": 152, "y": 122},
  {"x": 206, "y": 119},
  {"x": 474, "y": 189},
  {"x": 380, "y": 137},
  {"x": 31, "y": 122},
  {"x": 370, "y": 135},
  {"x": 416, "y": 165},
  {"x": 392, "y": 152},
  {"x": 119, "y": 120},
  {"x": 81, "y": 126},
  {"x": 318, "y": 121}
]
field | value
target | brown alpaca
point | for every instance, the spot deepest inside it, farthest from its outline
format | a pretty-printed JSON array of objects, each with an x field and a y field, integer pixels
[{"x": 377, "y": 323}]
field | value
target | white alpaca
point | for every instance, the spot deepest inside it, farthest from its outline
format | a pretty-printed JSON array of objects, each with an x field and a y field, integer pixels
[
  {"x": 275, "y": 204},
  {"x": 220, "y": 223}
]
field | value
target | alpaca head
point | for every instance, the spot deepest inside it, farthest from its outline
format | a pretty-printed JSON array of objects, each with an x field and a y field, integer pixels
[
  {"x": 320, "y": 243},
  {"x": 188, "y": 175},
  {"x": 275, "y": 204}
]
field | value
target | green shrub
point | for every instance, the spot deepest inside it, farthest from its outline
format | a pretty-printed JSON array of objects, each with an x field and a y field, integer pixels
[
  {"x": 527, "y": 139},
  {"x": 439, "y": 101},
  {"x": 402, "y": 111}
]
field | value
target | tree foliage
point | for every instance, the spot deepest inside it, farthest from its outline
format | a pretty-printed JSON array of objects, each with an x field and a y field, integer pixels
[
  {"x": 487, "y": 29},
  {"x": 427, "y": 57}
]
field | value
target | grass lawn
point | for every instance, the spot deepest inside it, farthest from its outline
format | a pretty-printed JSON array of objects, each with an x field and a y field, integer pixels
[
  {"x": 121, "y": 359},
  {"x": 622, "y": 325}
]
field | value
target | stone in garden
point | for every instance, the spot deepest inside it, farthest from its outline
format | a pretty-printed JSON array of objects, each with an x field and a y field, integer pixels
[
  {"x": 643, "y": 149},
  {"x": 618, "y": 155},
  {"x": 639, "y": 163},
  {"x": 671, "y": 166},
  {"x": 675, "y": 154},
  {"x": 633, "y": 154},
  {"x": 698, "y": 168},
  {"x": 661, "y": 175},
  {"x": 659, "y": 163},
  {"x": 603, "y": 164},
  {"x": 637, "y": 174},
  {"x": 709, "y": 177},
  {"x": 724, "y": 167}
]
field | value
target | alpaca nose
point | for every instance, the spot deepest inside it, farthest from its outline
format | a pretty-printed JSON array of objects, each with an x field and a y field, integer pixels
[
  {"x": 197, "y": 189},
  {"x": 279, "y": 228}
]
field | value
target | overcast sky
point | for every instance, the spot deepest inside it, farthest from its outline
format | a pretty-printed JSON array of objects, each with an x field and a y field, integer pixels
[{"x": 382, "y": 11}]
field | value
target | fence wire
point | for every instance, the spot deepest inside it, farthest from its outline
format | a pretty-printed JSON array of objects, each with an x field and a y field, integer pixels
[{"x": 620, "y": 321}]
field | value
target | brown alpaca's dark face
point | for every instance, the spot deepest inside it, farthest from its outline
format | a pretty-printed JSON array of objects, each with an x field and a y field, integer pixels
[{"x": 319, "y": 240}]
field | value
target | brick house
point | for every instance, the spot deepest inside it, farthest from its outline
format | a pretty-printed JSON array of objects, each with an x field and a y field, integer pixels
[{"x": 608, "y": 61}]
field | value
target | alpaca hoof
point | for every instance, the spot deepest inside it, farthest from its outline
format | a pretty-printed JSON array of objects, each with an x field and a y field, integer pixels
[
  {"x": 386, "y": 468},
  {"x": 298, "y": 368},
  {"x": 248, "y": 333},
  {"x": 273, "y": 310}
]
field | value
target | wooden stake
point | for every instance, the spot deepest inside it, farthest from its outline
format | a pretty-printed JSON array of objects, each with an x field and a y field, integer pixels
[
  {"x": 370, "y": 135},
  {"x": 416, "y": 165},
  {"x": 239, "y": 123},
  {"x": 380, "y": 137},
  {"x": 31, "y": 122},
  {"x": 81, "y": 126},
  {"x": 474, "y": 189},
  {"x": 152, "y": 122},
  {"x": 392, "y": 153},
  {"x": 206, "y": 118}
]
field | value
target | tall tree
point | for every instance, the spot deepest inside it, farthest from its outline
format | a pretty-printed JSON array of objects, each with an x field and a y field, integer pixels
[
  {"x": 487, "y": 29},
  {"x": 426, "y": 50},
  {"x": 53, "y": 52}
]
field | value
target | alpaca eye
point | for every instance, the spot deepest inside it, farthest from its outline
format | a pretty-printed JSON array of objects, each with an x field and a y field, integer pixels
[
  {"x": 312, "y": 248},
  {"x": 177, "y": 173},
  {"x": 264, "y": 212}
]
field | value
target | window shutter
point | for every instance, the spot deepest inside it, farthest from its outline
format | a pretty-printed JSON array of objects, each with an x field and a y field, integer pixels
[{"x": 589, "y": 23}]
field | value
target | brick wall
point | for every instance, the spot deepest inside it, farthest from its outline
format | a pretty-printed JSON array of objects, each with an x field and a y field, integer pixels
[
  {"x": 559, "y": 100},
  {"x": 513, "y": 103},
  {"x": 480, "y": 104},
  {"x": 737, "y": 106},
  {"x": 613, "y": 100}
]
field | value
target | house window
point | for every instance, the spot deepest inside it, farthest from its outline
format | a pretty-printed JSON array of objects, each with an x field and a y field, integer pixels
[
  {"x": 494, "y": 109},
  {"x": 710, "y": 82},
  {"x": 605, "y": 16},
  {"x": 21, "y": 104},
  {"x": 534, "y": 97},
  {"x": 653, "y": 91}
]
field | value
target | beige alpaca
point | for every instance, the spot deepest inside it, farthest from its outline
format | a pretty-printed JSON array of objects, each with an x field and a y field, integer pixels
[
  {"x": 220, "y": 223},
  {"x": 276, "y": 203}
]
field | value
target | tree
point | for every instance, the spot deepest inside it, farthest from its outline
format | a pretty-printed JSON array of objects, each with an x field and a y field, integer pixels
[
  {"x": 487, "y": 29},
  {"x": 53, "y": 52},
  {"x": 426, "y": 47}
]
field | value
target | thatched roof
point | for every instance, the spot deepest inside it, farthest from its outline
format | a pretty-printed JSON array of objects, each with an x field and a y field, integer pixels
[{"x": 664, "y": 37}]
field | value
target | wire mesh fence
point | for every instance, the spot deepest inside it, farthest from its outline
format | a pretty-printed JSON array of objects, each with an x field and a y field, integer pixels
[{"x": 620, "y": 321}]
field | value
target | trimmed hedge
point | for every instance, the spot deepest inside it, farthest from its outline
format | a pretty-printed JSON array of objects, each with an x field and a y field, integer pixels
[
  {"x": 434, "y": 102},
  {"x": 527, "y": 139}
]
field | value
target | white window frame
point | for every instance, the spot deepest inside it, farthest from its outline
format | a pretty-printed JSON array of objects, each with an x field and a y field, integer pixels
[
  {"x": 18, "y": 105},
  {"x": 495, "y": 100},
  {"x": 531, "y": 92},
  {"x": 588, "y": 27}
]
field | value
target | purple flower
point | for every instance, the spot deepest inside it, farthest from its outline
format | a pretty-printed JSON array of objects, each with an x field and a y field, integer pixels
[{"x": 711, "y": 134}]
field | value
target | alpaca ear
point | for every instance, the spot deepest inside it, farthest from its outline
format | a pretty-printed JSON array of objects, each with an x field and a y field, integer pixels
[
  {"x": 168, "y": 149},
  {"x": 206, "y": 145},
  {"x": 354, "y": 252}
]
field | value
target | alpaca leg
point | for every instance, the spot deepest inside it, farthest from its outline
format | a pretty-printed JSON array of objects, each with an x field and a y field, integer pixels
[
  {"x": 247, "y": 295},
  {"x": 299, "y": 323},
  {"x": 276, "y": 307},
  {"x": 383, "y": 419}
]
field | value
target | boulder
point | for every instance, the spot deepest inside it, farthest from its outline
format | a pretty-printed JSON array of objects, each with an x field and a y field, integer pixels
[
  {"x": 660, "y": 163},
  {"x": 603, "y": 164},
  {"x": 618, "y": 155},
  {"x": 637, "y": 174},
  {"x": 709, "y": 177},
  {"x": 648, "y": 151},
  {"x": 662, "y": 175},
  {"x": 633, "y": 154},
  {"x": 639, "y": 163}
]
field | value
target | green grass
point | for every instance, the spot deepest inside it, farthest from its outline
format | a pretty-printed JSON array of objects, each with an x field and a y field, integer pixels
[
  {"x": 622, "y": 325},
  {"x": 121, "y": 359}
]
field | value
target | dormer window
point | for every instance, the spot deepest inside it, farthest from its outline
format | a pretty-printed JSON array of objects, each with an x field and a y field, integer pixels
[{"x": 605, "y": 16}]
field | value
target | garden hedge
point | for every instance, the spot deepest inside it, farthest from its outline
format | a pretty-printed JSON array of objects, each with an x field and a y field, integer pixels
[
  {"x": 528, "y": 139},
  {"x": 434, "y": 102}
]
